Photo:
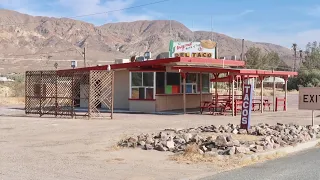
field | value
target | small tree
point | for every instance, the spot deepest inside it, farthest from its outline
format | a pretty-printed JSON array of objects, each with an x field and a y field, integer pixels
[
  {"x": 256, "y": 60},
  {"x": 253, "y": 58}
]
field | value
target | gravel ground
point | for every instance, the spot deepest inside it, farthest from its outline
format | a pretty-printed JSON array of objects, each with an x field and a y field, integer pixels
[{"x": 56, "y": 148}]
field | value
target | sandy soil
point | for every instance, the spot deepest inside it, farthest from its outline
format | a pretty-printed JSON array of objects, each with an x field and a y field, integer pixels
[{"x": 56, "y": 148}]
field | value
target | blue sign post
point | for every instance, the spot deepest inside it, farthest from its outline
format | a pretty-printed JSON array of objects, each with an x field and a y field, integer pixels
[{"x": 246, "y": 106}]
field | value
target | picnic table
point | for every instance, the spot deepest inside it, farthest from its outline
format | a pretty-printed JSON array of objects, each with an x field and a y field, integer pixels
[
  {"x": 257, "y": 102},
  {"x": 225, "y": 104}
]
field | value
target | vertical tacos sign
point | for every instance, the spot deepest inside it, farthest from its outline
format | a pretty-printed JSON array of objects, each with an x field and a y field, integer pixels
[{"x": 205, "y": 49}]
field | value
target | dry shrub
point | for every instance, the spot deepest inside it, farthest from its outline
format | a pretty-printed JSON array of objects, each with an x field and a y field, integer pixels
[
  {"x": 191, "y": 149},
  {"x": 222, "y": 162},
  {"x": 191, "y": 154},
  {"x": 17, "y": 89},
  {"x": 115, "y": 160},
  {"x": 261, "y": 158},
  {"x": 246, "y": 137},
  {"x": 114, "y": 148},
  {"x": 12, "y": 101}
]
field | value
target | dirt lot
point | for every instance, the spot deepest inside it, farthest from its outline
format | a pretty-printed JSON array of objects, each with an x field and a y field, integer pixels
[{"x": 50, "y": 148}]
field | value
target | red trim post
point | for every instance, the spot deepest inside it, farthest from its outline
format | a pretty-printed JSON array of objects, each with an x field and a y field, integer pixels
[
  {"x": 261, "y": 92},
  {"x": 216, "y": 76}
]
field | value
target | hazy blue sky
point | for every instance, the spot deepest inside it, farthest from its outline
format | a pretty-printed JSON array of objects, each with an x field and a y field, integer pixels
[{"x": 276, "y": 21}]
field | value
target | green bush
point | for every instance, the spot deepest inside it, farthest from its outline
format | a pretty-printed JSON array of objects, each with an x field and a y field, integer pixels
[
  {"x": 309, "y": 78},
  {"x": 293, "y": 83},
  {"x": 20, "y": 78},
  {"x": 305, "y": 78}
]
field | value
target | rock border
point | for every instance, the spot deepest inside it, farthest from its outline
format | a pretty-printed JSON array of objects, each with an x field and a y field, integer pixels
[{"x": 270, "y": 138}]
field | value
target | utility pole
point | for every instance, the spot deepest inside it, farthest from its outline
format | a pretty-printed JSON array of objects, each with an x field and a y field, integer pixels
[{"x": 84, "y": 56}]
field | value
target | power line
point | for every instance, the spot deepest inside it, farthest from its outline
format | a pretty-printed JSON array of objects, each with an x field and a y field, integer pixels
[
  {"x": 69, "y": 50},
  {"x": 93, "y": 14}
]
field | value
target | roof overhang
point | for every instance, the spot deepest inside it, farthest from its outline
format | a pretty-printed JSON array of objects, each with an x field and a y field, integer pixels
[
  {"x": 190, "y": 61},
  {"x": 240, "y": 72}
]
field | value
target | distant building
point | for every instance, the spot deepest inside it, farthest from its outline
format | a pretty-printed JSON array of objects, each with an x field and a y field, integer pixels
[
  {"x": 5, "y": 79},
  {"x": 268, "y": 82}
]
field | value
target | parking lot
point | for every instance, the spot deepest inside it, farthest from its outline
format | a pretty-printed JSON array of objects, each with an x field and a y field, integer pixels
[{"x": 59, "y": 148}]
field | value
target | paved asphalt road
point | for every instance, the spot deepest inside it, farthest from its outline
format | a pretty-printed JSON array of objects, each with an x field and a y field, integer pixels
[{"x": 300, "y": 166}]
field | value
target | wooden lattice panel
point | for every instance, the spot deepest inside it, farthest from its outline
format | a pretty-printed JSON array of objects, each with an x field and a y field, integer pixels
[
  {"x": 101, "y": 92},
  {"x": 31, "y": 92},
  {"x": 60, "y": 93}
]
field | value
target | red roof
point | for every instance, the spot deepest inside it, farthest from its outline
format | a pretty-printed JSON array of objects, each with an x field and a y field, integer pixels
[
  {"x": 190, "y": 64},
  {"x": 163, "y": 62}
]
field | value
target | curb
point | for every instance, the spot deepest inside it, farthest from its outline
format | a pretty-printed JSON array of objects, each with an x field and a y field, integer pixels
[{"x": 288, "y": 150}]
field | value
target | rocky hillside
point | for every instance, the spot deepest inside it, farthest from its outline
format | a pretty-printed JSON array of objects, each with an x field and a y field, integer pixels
[{"x": 43, "y": 40}]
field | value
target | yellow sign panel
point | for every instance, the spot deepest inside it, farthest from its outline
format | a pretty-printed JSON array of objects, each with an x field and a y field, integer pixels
[
  {"x": 208, "y": 44},
  {"x": 197, "y": 54}
]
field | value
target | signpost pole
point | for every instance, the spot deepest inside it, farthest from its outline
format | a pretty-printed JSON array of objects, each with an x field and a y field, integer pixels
[{"x": 312, "y": 118}]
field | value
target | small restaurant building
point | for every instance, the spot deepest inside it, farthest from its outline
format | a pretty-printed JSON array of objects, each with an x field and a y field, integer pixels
[{"x": 186, "y": 80}]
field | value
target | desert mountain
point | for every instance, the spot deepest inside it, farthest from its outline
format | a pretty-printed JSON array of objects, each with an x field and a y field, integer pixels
[{"x": 44, "y": 41}]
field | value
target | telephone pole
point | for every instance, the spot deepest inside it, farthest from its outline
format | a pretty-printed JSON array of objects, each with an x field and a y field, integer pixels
[{"x": 84, "y": 56}]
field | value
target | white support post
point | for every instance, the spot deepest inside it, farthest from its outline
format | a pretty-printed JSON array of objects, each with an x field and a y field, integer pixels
[
  {"x": 286, "y": 92},
  {"x": 130, "y": 82},
  {"x": 261, "y": 93},
  {"x": 154, "y": 85},
  {"x": 274, "y": 94},
  {"x": 233, "y": 101},
  {"x": 312, "y": 118}
]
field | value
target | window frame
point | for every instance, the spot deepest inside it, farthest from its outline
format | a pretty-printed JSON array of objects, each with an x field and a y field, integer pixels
[
  {"x": 208, "y": 85},
  {"x": 142, "y": 86}
]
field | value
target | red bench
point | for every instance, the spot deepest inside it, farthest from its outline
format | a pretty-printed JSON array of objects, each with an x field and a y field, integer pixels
[
  {"x": 266, "y": 103},
  {"x": 281, "y": 102}
]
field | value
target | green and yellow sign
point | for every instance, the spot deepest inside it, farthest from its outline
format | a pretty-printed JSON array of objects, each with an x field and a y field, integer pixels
[{"x": 205, "y": 49}]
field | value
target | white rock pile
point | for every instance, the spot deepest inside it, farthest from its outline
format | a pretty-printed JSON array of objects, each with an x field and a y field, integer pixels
[{"x": 272, "y": 137}]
